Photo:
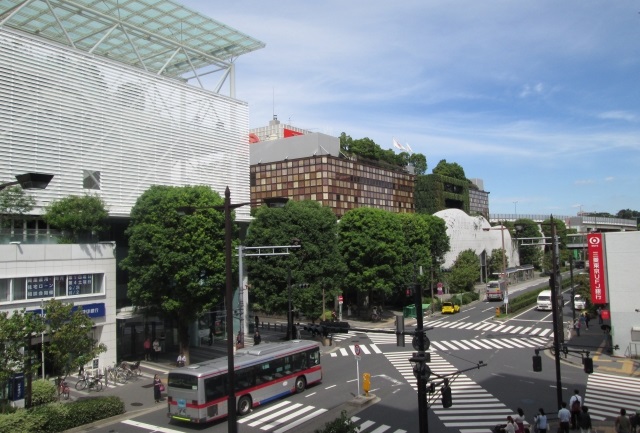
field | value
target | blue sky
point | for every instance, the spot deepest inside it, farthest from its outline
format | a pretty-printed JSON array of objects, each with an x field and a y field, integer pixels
[{"x": 540, "y": 99}]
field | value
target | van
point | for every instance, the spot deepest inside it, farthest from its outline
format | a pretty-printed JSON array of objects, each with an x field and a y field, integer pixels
[{"x": 544, "y": 300}]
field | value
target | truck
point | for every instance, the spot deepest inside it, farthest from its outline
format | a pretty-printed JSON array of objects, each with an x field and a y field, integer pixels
[{"x": 496, "y": 290}]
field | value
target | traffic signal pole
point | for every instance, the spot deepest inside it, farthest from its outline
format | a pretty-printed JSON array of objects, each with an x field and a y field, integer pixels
[
  {"x": 423, "y": 421},
  {"x": 554, "y": 283}
]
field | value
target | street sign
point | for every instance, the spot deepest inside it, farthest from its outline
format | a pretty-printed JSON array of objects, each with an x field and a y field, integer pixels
[
  {"x": 340, "y": 299},
  {"x": 357, "y": 349}
]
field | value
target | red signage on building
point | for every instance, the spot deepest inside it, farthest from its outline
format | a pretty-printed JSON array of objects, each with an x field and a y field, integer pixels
[
  {"x": 290, "y": 133},
  {"x": 597, "y": 268}
]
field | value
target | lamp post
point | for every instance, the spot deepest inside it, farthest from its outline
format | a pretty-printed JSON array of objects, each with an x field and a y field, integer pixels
[
  {"x": 419, "y": 360},
  {"x": 30, "y": 181},
  {"x": 553, "y": 282}
]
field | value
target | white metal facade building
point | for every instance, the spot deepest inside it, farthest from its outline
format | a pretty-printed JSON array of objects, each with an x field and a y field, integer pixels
[{"x": 110, "y": 98}]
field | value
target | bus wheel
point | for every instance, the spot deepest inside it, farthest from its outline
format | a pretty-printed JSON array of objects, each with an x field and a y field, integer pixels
[
  {"x": 244, "y": 405},
  {"x": 301, "y": 384}
]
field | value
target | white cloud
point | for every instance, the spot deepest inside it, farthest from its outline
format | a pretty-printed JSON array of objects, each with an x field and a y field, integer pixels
[{"x": 619, "y": 115}]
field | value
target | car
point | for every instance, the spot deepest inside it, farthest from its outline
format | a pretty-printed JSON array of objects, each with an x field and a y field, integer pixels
[
  {"x": 579, "y": 302},
  {"x": 449, "y": 308}
]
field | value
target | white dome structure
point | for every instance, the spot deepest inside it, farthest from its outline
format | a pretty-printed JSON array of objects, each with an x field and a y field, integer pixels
[{"x": 475, "y": 233}]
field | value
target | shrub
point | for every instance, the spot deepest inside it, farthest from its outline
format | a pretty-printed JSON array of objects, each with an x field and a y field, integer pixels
[
  {"x": 343, "y": 424},
  {"x": 42, "y": 392}
]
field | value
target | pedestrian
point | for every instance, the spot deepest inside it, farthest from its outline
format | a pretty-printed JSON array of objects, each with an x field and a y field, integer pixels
[
  {"x": 256, "y": 338},
  {"x": 519, "y": 421},
  {"x": 599, "y": 311},
  {"x": 510, "y": 427},
  {"x": 540, "y": 421},
  {"x": 182, "y": 360},
  {"x": 586, "y": 319},
  {"x": 623, "y": 424},
  {"x": 576, "y": 326},
  {"x": 158, "y": 387},
  {"x": 147, "y": 349},
  {"x": 257, "y": 320},
  {"x": 156, "y": 349},
  {"x": 564, "y": 416},
  {"x": 298, "y": 335},
  {"x": 240, "y": 340},
  {"x": 635, "y": 422},
  {"x": 583, "y": 321},
  {"x": 584, "y": 420},
  {"x": 575, "y": 403}
]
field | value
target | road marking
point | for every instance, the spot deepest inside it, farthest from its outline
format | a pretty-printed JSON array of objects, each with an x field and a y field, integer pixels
[{"x": 150, "y": 427}]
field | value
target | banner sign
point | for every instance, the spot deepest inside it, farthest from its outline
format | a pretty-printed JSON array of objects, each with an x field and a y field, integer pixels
[
  {"x": 40, "y": 287},
  {"x": 597, "y": 268}
]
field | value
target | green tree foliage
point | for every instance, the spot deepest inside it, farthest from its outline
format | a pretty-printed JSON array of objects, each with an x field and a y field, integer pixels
[
  {"x": 371, "y": 245},
  {"x": 450, "y": 169},
  {"x": 464, "y": 272},
  {"x": 529, "y": 254},
  {"x": 343, "y": 424},
  {"x": 14, "y": 201},
  {"x": 561, "y": 232},
  {"x": 419, "y": 162},
  {"x": 77, "y": 216},
  {"x": 176, "y": 263},
  {"x": 314, "y": 267},
  {"x": 71, "y": 342},
  {"x": 417, "y": 251},
  {"x": 16, "y": 333},
  {"x": 495, "y": 261},
  {"x": 438, "y": 245},
  {"x": 368, "y": 149}
]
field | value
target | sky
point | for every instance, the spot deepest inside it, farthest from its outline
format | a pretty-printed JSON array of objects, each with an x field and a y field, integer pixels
[{"x": 539, "y": 99}]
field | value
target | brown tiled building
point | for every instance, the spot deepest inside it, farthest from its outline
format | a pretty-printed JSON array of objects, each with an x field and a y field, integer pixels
[{"x": 311, "y": 167}]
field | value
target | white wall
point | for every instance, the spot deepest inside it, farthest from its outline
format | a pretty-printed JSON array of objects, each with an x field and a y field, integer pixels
[{"x": 622, "y": 259}]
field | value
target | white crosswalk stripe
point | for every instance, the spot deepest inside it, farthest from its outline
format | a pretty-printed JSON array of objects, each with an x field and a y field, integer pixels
[
  {"x": 489, "y": 326},
  {"x": 474, "y": 409},
  {"x": 351, "y": 350},
  {"x": 607, "y": 394},
  {"x": 380, "y": 429}
]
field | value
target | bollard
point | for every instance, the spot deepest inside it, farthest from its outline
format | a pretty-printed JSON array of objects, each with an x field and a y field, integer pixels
[
  {"x": 497, "y": 311},
  {"x": 366, "y": 383}
]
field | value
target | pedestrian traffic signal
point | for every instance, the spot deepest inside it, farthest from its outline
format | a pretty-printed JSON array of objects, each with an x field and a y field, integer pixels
[
  {"x": 588, "y": 365},
  {"x": 537, "y": 363},
  {"x": 447, "y": 400}
]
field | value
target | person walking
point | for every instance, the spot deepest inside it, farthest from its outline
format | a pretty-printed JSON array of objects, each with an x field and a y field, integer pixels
[
  {"x": 519, "y": 421},
  {"x": 256, "y": 338},
  {"x": 599, "y": 311},
  {"x": 576, "y": 326},
  {"x": 575, "y": 403},
  {"x": 586, "y": 319},
  {"x": 540, "y": 421},
  {"x": 564, "y": 417},
  {"x": 147, "y": 349},
  {"x": 156, "y": 349},
  {"x": 584, "y": 420},
  {"x": 635, "y": 422},
  {"x": 158, "y": 387},
  {"x": 622, "y": 423}
]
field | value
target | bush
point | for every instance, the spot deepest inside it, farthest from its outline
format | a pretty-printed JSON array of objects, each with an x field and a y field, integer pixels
[
  {"x": 58, "y": 417},
  {"x": 339, "y": 425},
  {"x": 43, "y": 392}
]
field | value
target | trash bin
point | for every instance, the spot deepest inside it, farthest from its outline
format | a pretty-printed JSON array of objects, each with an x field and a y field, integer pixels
[{"x": 410, "y": 311}]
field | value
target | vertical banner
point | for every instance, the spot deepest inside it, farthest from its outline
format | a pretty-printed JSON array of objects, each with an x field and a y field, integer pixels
[{"x": 596, "y": 268}]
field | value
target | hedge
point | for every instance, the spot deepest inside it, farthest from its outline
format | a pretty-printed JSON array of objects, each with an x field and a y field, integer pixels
[{"x": 58, "y": 417}]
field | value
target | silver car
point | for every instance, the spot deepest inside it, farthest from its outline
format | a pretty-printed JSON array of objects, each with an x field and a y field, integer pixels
[{"x": 579, "y": 302}]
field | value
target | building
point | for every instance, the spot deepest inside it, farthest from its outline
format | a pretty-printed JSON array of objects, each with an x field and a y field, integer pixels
[
  {"x": 310, "y": 166},
  {"x": 109, "y": 98},
  {"x": 435, "y": 192},
  {"x": 82, "y": 274},
  {"x": 478, "y": 199}
]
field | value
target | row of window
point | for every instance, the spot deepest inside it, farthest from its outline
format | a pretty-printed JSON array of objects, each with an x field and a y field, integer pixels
[{"x": 25, "y": 288}]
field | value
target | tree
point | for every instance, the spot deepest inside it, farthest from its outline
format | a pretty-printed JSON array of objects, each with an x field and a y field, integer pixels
[
  {"x": 438, "y": 244},
  {"x": 529, "y": 254},
  {"x": 416, "y": 252},
  {"x": 76, "y": 216},
  {"x": 71, "y": 343},
  {"x": 449, "y": 169},
  {"x": 464, "y": 272},
  {"x": 419, "y": 162},
  {"x": 176, "y": 263},
  {"x": 16, "y": 333},
  {"x": 14, "y": 201},
  {"x": 495, "y": 261},
  {"x": 371, "y": 245},
  {"x": 314, "y": 268},
  {"x": 343, "y": 424}
]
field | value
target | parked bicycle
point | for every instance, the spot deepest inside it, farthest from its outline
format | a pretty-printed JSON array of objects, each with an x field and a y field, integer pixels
[
  {"x": 89, "y": 382},
  {"x": 63, "y": 388},
  {"x": 131, "y": 370}
]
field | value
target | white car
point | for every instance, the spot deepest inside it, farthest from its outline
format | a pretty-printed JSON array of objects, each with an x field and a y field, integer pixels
[{"x": 579, "y": 302}]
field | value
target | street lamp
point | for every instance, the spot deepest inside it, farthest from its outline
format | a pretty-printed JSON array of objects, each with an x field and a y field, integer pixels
[{"x": 30, "y": 181}]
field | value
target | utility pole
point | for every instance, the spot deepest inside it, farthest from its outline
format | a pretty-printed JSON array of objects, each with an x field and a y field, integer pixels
[{"x": 557, "y": 327}]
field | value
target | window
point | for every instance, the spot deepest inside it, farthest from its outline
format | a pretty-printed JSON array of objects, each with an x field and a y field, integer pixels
[
  {"x": 183, "y": 381},
  {"x": 61, "y": 285},
  {"x": 19, "y": 289},
  {"x": 90, "y": 179},
  {"x": 215, "y": 387},
  {"x": 5, "y": 290}
]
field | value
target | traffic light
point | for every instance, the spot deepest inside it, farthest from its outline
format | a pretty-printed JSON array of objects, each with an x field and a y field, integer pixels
[
  {"x": 537, "y": 363},
  {"x": 447, "y": 400},
  {"x": 400, "y": 330},
  {"x": 588, "y": 365}
]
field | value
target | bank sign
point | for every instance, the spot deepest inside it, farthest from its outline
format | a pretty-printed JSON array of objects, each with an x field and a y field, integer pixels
[{"x": 597, "y": 268}]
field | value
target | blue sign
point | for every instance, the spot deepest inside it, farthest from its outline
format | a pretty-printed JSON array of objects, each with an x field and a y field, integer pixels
[
  {"x": 91, "y": 310},
  {"x": 17, "y": 387}
]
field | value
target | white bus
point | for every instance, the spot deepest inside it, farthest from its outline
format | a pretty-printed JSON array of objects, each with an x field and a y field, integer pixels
[{"x": 198, "y": 393}]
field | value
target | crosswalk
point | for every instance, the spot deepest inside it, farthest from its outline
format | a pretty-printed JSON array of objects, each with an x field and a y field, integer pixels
[
  {"x": 607, "y": 393},
  {"x": 503, "y": 328},
  {"x": 474, "y": 409},
  {"x": 374, "y": 340}
]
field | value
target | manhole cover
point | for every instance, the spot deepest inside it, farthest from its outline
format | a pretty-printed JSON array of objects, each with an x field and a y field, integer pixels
[{"x": 136, "y": 404}]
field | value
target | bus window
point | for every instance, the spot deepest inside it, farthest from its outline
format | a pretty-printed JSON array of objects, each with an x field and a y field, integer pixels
[
  {"x": 314, "y": 356},
  {"x": 215, "y": 387},
  {"x": 182, "y": 381},
  {"x": 245, "y": 378}
]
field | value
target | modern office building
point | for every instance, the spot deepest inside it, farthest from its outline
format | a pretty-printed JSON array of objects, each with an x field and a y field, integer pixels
[
  {"x": 112, "y": 97},
  {"x": 302, "y": 165}
]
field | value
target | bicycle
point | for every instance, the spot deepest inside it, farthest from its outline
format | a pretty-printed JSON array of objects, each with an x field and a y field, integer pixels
[
  {"x": 89, "y": 382},
  {"x": 116, "y": 374},
  {"x": 131, "y": 370},
  {"x": 63, "y": 388}
]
